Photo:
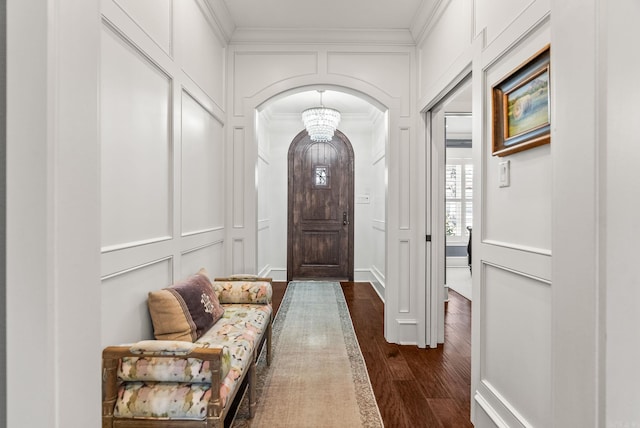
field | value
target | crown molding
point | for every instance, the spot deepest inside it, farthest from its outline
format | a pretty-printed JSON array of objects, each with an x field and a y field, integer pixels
[
  {"x": 306, "y": 36},
  {"x": 222, "y": 18},
  {"x": 426, "y": 18}
]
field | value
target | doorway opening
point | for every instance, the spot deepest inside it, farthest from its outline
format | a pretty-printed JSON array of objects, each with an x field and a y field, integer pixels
[
  {"x": 458, "y": 200},
  {"x": 450, "y": 207},
  {"x": 365, "y": 123}
]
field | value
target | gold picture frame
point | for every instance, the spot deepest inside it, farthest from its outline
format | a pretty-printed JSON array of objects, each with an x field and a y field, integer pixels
[{"x": 521, "y": 106}]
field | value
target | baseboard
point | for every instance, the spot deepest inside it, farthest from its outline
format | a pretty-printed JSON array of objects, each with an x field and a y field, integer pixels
[
  {"x": 372, "y": 276},
  {"x": 277, "y": 274},
  {"x": 457, "y": 262}
]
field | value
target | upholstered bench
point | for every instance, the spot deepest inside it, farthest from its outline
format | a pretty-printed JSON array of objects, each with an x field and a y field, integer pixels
[{"x": 208, "y": 337}]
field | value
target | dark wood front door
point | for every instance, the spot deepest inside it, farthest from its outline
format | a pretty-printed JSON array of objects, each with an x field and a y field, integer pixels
[{"x": 320, "y": 227}]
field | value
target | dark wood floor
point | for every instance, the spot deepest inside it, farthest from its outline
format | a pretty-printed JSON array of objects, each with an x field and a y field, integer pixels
[{"x": 414, "y": 387}]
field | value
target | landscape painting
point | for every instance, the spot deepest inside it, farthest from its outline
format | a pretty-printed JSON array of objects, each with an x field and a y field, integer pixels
[
  {"x": 521, "y": 106},
  {"x": 528, "y": 105}
]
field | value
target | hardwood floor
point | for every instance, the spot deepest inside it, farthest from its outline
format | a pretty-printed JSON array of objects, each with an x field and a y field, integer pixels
[{"x": 413, "y": 387}]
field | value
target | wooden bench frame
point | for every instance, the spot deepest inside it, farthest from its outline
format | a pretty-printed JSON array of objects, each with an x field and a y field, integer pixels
[{"x": 216, "y": 413}]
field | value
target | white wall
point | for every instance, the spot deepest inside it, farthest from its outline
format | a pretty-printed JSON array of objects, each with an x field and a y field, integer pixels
[
  {"x": 162, "y": 117},
  {"x": 623, "y": 230},
  {"x": 378, "y": 204},
  {"x": 276, "y": 132},
  {"x": 52, "y": 294},
  {"x": 512, "y": 273}
]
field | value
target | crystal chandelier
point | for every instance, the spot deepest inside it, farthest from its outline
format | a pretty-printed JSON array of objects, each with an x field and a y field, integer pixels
[{"x": 321, "y": 122}]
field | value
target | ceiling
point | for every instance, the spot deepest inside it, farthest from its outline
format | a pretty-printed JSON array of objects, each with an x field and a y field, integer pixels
[
  {"x": 325, "y": 14},
  {"x": 348, "y": 105}
]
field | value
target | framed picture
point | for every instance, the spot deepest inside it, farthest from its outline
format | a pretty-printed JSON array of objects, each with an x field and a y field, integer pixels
[{"x": 521, "y": 107}]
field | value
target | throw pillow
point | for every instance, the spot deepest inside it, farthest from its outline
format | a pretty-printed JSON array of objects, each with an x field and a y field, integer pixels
[{"x": 184, "y": 311}]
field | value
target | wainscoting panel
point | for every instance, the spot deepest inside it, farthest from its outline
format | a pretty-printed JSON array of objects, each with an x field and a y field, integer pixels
[
  {"x": 237, "y": 254},
  {"x": 154, "y": 18},
  {"x": 136, "y": 146},
  {"x": 447, "y": 38},
  {"x": 265, "y": 245},
  {"x": 404, "y": 189},
  {"x": 378, "y": 204},
  {"x": 199, "y": 50},
  {"x": 202, "y": 169},
  {"x": 387, "y": 71},
  {"x": 210, "y": 257},
  {"x": 516, "y": 342},
  {"x": 524, "y": 217},
  {"x": 407, "y": 331},
  {"x": 404, "y": 288},
  {"x": 272, "y": 66},
  {"x": 238, "y": 177},
  {"x": 494, "y": 16},
  {"x": 125, "y": 315}
]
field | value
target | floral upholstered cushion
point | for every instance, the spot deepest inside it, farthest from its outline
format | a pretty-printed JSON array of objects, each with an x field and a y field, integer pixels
[
  {"x": 165, "y": 400},
  {"x": 243, "y": 291},
  {"x": 162, "y": 347},
  {"x": 151, "y": 368},
  {"x": 240, "y": 329},
  {"x": 146, "y": 391},
  {"x": 185, "y": 310}
]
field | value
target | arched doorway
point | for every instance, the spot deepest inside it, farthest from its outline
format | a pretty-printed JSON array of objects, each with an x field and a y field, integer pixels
[{"x": 320, "y": 233}]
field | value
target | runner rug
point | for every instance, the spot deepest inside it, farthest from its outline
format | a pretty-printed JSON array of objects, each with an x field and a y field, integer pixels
[{"x": 317, "y": 376}]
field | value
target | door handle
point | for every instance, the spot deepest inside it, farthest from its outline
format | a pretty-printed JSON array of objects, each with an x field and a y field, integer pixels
[{"x": 345, "y": 218}]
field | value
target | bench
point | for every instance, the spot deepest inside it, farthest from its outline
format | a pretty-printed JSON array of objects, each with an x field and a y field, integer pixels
[{"x": 190, "y": 375}]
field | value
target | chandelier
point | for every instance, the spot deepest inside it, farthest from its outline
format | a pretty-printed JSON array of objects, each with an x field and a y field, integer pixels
[{"x": 321, "y": 122}]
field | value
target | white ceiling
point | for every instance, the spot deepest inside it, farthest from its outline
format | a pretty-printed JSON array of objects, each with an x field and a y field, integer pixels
[
  {"x": 325, "y": 14},
  {"x": 346, "y": 104}
]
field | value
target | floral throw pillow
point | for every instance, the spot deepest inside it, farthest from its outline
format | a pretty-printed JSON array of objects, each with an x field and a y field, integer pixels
[{"x": 186, "y": 310}]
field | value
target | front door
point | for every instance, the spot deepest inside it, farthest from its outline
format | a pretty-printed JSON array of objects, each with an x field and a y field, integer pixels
[{"x": 320, "y": 229}]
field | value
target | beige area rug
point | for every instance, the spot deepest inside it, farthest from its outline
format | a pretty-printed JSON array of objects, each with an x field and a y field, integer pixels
[{"x": 317, "y": 377}]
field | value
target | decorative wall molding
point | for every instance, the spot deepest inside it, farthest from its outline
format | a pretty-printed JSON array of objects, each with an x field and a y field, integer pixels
[
  {"x": 200, "y": 232},
  {"x": 405, "y": 182},
  {"x": 379, "y": 225},
  {"x": 407, "y": 331},
  {"x": 200, "y": 49},
  {"x": 404, "y": 286},
  {"x": 201, "y": 247},
  {"x": 167, "y": 48},
  {"x": 254, "y": 36},
  {"x": 148, "y": 196},
  {"x": 515, "y": 313},
  {"x": 379, "y": 157},
  {"x": 133, "y": 244},
  {"x": 246, "y": 84},
  {"x": 238, "y": 261},
  {"x": 501, "y": 412},
  {"x": 490, "y": 411},
  {"x": 238, "y": 176},
  {"x": 137, "y": 267},
  {"x": 154, "y": 55},
  {"x": 517, "y": 247},
  {"x": 396, "y": 63}
]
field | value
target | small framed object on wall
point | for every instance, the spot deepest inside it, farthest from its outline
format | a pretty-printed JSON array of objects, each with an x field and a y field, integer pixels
[{"x": 521, "y": 107}]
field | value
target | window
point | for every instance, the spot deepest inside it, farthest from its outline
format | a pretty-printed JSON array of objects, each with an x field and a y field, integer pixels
[
  {"x": 321, "y": 176},
  {"x": 459, "y": 196}
]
